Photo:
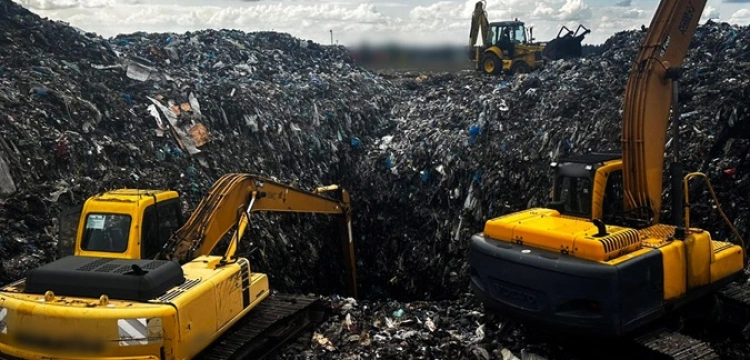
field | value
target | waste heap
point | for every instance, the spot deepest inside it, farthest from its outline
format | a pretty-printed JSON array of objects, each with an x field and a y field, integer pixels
[
  {"x": 80, "y": 115},
  {"x": 465, "y": 148},
  {"x": 428, "y": 158}
]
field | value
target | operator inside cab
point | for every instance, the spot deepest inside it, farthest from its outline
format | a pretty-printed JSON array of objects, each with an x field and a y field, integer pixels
[{"x": 506, "y": 44}]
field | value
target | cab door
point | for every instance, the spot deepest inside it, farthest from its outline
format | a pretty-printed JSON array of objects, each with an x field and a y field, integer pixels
[
  {"x": 160, "y": 221},
  {"x": 67, "y": 230}
]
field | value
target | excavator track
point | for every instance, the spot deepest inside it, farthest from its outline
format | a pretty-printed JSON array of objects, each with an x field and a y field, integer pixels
[
  {"x": 271, "y": 324},
  {"x": 666, "y": 344},
  {"x": 736, "y": 293}
]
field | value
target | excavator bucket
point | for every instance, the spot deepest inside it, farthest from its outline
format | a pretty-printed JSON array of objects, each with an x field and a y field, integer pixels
[{"x": 566, "y": 46}]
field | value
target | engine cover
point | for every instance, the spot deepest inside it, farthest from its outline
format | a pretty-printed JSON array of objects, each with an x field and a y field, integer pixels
[{"x": 120, "y": 279}]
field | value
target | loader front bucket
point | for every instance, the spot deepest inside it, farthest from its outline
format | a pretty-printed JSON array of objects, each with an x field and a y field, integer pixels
[{"x": 566, "y": 46}]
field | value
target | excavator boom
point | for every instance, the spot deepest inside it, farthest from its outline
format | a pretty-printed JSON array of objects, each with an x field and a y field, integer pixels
[
  {"x": 228, "y": 204},
  {"x": 647, "y": 104}
]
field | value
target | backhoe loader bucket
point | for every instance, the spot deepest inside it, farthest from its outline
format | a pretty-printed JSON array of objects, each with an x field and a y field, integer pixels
[{"x": 566, "y": 46}]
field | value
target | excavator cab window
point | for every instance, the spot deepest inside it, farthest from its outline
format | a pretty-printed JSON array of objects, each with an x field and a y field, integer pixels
[
  {"x": 572, "y": 196},
  {"x": 160, "y": 221},
  {"x": 106, "y": 232},
  {"x": 613, "y": 196}
]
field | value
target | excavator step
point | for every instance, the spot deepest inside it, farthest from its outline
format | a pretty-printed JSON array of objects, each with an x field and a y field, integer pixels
[{"x": 274, "y": 322}]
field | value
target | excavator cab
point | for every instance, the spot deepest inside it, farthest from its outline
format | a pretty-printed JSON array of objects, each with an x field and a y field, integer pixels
[
  {"x": 124, "y": 224},
  {"x": 588, "y": 186}
]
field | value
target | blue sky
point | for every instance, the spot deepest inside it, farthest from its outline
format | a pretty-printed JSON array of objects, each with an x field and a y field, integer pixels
[{"x": 408, "y": 21}]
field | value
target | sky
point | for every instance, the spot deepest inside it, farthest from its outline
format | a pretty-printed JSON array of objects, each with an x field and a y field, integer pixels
[{"x": 348, "y": 22}]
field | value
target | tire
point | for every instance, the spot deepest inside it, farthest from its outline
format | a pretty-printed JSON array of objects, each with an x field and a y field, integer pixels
[{"x": 491, "y": 64}]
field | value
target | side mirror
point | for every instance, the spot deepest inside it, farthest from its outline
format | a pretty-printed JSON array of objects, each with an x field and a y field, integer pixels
[{"x": 556, "y": 205}]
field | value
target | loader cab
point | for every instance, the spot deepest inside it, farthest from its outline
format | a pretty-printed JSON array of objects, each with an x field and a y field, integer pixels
[
  {"x": 588, "y": 186},
  {"x": 122, "y": 224},
  {"x": 515, "y": 30}
]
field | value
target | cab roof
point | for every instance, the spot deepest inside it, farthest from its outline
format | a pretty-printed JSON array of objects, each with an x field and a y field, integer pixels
[
  {"x": 135, "y": 195},
  {"x": 506, "y": 23},
  {"x": 592, "y": 158}
]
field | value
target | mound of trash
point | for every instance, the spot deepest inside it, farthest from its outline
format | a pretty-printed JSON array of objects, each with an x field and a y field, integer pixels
[
  {"x": 463, "y": 148},
  {"x": 80, "y": 114},
  {"x": 427, "y": 157}
]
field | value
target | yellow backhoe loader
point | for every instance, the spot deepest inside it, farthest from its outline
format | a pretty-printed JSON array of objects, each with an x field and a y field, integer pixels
[
  {"x": 508, "y": 47},
  {"x": 139, "y": 284},
  {"x": 598, "y": 261}
]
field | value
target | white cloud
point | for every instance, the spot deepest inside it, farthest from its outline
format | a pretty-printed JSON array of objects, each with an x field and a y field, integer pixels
[
  {"x": 574, "y": 10},
  {"x": 741, "y": 16},
  {"x": 444, "y": 21},
  {"x": 69, "y": 4},
  {"x": 439, "y": 10},
  {"x": 633, "y": 14},
  {"x": 710, "y": 12}
]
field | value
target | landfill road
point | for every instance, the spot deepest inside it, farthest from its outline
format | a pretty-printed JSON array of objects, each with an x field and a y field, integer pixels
[{"x": 428, "y": 156}]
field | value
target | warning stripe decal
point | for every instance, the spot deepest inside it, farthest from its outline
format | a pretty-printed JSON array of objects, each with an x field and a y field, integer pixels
[
  {"x": 132, "y": 331},
  {"x": 3, "y": 324}
]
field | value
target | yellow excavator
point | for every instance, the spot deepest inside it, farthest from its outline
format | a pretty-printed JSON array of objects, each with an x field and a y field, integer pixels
[
  {"x": 597, "y": 260},
  {"x": 139, "y": 284},
  {"x": 508, "y": 47}
]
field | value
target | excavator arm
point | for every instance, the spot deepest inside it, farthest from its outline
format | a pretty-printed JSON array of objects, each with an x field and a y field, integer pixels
[
  {"x": 230, "y": 202},
  {"x": 647, "y": 103}
]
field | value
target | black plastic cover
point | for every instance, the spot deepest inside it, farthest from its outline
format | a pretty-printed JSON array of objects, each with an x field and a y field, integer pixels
[
  {"x": 566, "y": 293},
  {"x": 135, "y": 280}
]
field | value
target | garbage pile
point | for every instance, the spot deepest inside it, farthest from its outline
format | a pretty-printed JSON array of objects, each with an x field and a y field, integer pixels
[
  {"x": 427, "y": 158},
  {"x": 81, "y": 114},
  {"x": 466, "y": 147},
  {"x": 449, "y": 329}
]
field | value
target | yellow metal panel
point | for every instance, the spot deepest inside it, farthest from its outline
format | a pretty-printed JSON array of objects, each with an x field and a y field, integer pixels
[
  {"x": 228, "y": 297},
  {"x": 210, "y": 308},
  {"x": 629, "y": 256},
  {"x": 259, "y": 288},
  {"x": 501, "y": 228},
  {"x": 600, "y": 183},
  {"x": 62, "y": 328},
  {"x": 546, "y": 229},
  {"x": 673, "y": 258},
  {"x": 698, "y": 247},
  {"x": 727, "y": 260}
]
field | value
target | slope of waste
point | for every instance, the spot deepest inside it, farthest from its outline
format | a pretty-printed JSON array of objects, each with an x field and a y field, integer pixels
[
  {"x": 80, "y": 114},
  {"x": 427, "y": 157},
  {"x": 464, "y": 148}
]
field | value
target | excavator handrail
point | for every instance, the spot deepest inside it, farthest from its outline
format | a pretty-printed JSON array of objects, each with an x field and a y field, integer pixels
[
  {"x": 229, "y": 203},
  {"x": 686, "y": 189}
]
